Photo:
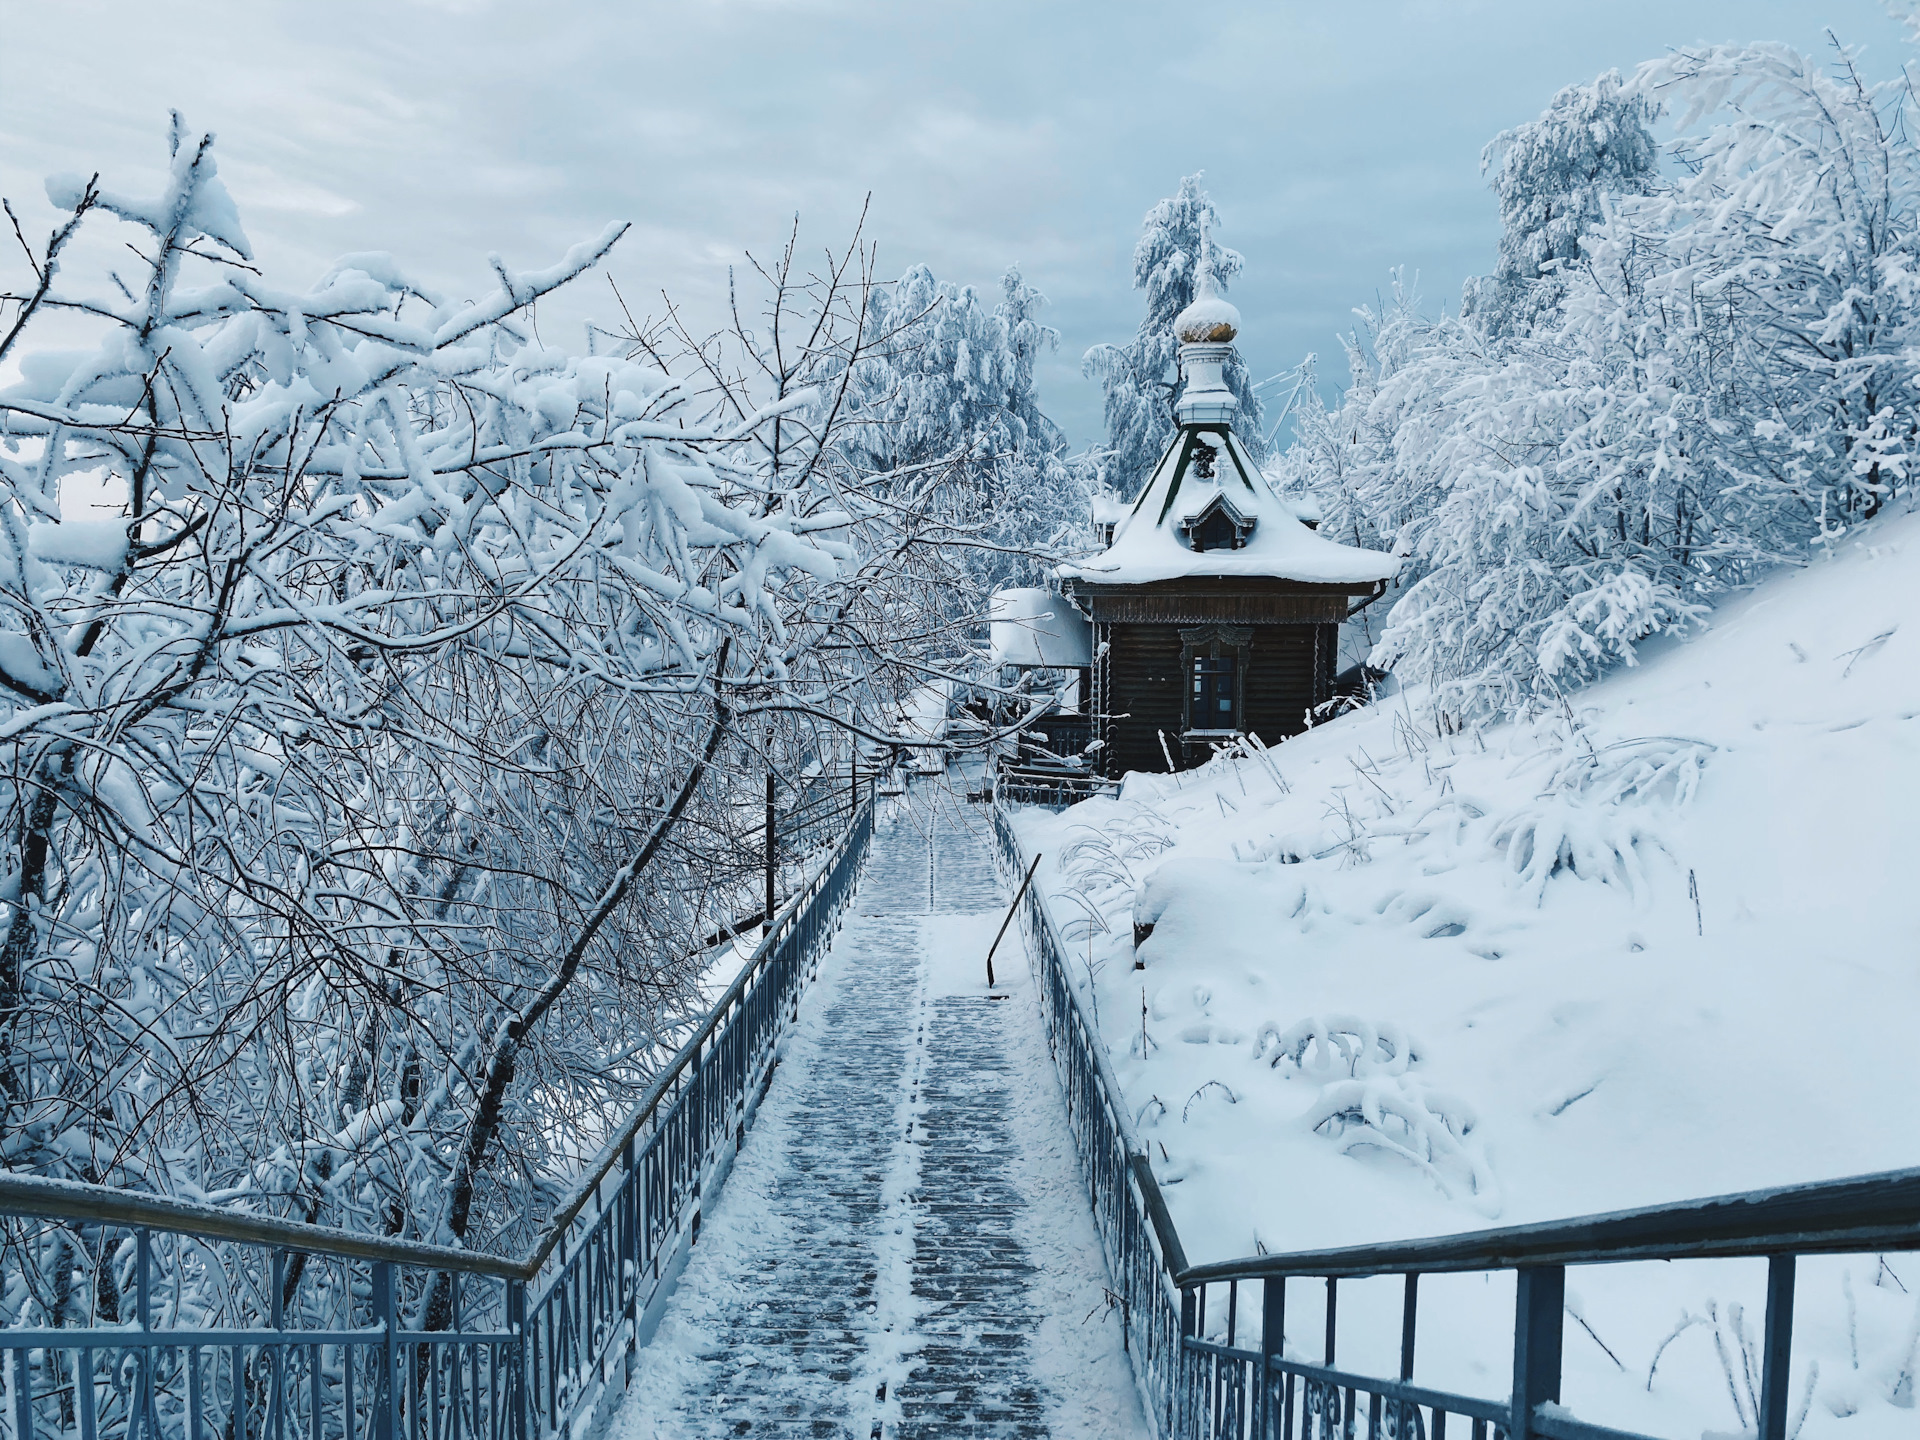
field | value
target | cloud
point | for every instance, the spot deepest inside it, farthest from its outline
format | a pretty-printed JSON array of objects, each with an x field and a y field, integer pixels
[{"x": 1338, "y": 140}]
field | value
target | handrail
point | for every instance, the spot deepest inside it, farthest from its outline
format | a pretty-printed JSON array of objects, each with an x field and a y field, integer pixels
[
  {"x": 74, "y": 1200},
  {"x": 1158, "y": 1216},
  {"x": 1827, "y": 1217}
]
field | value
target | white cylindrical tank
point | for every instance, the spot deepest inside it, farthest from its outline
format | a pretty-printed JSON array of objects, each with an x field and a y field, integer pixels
[{"x": 1039, "y": 630}]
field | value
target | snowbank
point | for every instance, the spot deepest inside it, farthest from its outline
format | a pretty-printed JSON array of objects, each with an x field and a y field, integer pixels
[{"x": 1658, "y": 946}]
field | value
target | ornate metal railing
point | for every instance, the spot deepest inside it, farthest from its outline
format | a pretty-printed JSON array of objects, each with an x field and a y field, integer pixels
[
  {"x": 1016, "y": 784},
  {"x": 1208, "y": 1341},
  {"x": 203, "y": 1324}
]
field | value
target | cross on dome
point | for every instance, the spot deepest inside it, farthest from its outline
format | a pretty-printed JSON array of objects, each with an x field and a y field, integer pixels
[{"x": 1211, "y": 319}]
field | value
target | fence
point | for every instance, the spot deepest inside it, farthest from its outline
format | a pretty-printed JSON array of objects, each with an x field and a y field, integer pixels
[
  {"x": 209, "y": 1325},
  {"x": 1016, "y": 784},
  {"x": 1241, "y": 1387}
]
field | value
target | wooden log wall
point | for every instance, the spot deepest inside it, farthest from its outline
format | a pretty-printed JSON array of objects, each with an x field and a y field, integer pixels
[{"x": 1288, "y": 670}]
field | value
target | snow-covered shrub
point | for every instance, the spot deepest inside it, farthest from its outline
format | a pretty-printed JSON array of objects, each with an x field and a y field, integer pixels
[
  {"x": 1340, "y": 1042},
  {"x": 1405, "y": 1120}
]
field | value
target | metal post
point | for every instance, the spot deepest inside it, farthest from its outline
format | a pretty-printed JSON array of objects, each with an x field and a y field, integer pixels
[
  {"x": 386, "y": 1393},
  {"x": 519, "y": 1402},
  {"x": 23, "y": 1396},
  {"x": 148, "y": 1415},
  {"x": 1333, "y": 1306},
  {"x": 1190, "y": 1322},
  {"x": 277, "y": 1318},
  {"x": 1409, "y": 1308},
  {"x": 1273, "y": 1342},
  {"x": 1779, "y": 1348},
  {"x": 770, "y": 844},
  {"x": 1539, "y": 1304}
]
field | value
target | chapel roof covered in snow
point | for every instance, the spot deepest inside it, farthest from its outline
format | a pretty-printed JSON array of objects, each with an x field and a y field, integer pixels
[{"x": 1207, "y": 510}]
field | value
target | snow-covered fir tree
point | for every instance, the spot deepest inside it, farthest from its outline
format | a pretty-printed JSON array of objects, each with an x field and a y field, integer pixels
[
  {"x": 1141, "y": 379},
  {"x": 948, "y": 385},
  {"x": 1553, "y": 176}
]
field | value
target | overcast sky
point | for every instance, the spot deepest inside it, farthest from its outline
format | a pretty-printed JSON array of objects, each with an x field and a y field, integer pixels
[{"x": 1339, "y": 138}]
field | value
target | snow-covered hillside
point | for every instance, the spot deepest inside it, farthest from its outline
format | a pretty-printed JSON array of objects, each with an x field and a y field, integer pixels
[{"x": 1662, "y": 944}]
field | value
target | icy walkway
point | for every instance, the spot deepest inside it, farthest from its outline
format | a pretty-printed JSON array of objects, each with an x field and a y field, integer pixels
[{"x": 903, "y": 1247}]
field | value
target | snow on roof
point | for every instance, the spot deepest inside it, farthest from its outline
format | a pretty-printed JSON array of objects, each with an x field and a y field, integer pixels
[
  {"x": 1148, "y": 545},
  {"x": 1039, "y": 629}
]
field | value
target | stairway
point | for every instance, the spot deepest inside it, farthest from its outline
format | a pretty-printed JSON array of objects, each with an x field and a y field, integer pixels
[{"x": 903, "y": 1247}]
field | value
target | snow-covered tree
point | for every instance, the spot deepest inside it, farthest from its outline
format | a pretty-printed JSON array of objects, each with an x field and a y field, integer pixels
[
  {"x": 1553, "y": 176},
  {"x": 948, "y": 385},
  {"x": 379, "y": 694},
  {"x": 1720, "y": 378},
  {"x": 1141, "y": 379},
  {"x": 1795, "y": 220}
]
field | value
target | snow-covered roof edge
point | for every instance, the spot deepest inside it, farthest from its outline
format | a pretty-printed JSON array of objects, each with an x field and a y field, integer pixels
[{"x": 1147, "y": 545}]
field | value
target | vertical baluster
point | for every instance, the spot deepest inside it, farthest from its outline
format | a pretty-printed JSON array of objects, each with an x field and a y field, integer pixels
[
  {"x": 386, "y": 1397},
  {"x": 1409, "y": 1310},
  {"x": 349, "y": 1357},
  {"x": 1181, "y": 1384},
  {"x": 1273, "y": 1343},
  {"x": 192, "y": 1431},
  {"x": 1333, "y": 1300},
  {"x": 435, "y": 1354},
  {"x": 144, "y": 1418},
  {"x": 546, "y": 1334},
  {"x": 236, "y": 1396},
  {"x": 1409, "y": 1306},
  {"x": 518, "y": 1413},
  {"x": 1439, "y": 1423},
  {"x": 1778, "y": 1350},
  {"x": 22, "y": 1397},
  {"x": 277, "y": 1319},
  {"x": 316, "y": 1421},
  {"x": 462, "y": 1356},
  {"x": 1540, "y": 1301},
  {"x": 83, "y": 1382},
  {"x": 467, "y": 1417}
]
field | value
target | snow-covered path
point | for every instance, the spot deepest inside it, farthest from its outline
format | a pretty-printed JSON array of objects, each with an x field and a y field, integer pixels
[{"x": 903, "y": 1247}]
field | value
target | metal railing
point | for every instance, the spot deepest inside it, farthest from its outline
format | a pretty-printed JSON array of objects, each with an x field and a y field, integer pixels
[
  {"x": 1243, "y": 1386},
  {"x": 1018, "y": 784},
  {"x": 198, "y": 1323}
]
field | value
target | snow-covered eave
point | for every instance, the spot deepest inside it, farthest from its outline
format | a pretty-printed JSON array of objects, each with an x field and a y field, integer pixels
[
  {"x": 1230, "y": 565},
  {"x": 1147, "y": 546}
]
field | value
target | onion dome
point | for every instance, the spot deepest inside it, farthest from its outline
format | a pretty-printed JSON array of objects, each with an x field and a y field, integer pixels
[{"x": 1210, "y": 320}]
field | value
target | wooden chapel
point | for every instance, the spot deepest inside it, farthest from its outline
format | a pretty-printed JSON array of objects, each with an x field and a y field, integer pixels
[{"x": 1215, "y": 608}]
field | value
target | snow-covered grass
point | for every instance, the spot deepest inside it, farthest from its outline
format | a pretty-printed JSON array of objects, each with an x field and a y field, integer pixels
[{"x": 1661, "y": 944}]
